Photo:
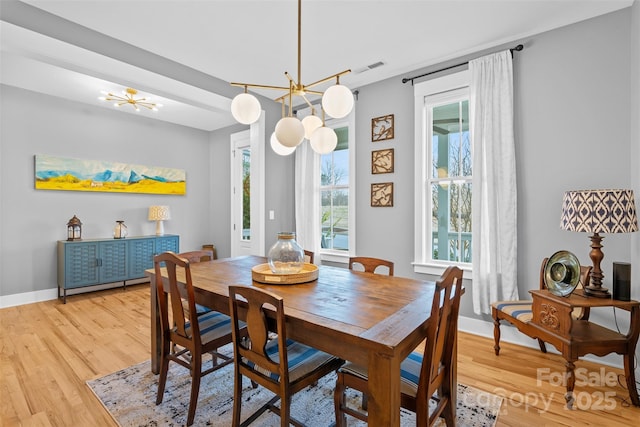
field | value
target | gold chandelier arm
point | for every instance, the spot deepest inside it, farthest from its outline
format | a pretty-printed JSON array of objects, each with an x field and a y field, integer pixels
[
  {"x": 148, "y": 105},
  {"x": 337, "y": 75},
  {"x": 313, "y": 110},
  {"x": 259, "y": 86},
  {"x": 112, "y": 97},
  {"x": 291, "y": 81}
]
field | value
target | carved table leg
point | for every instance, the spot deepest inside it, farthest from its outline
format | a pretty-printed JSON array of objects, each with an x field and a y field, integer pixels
[
  {"x": 571, "y": 382},
  {"x": 496, "y": 336}
]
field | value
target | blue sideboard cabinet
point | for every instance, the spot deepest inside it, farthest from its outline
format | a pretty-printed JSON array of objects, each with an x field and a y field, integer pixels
[{"x": 92, "y": 262}]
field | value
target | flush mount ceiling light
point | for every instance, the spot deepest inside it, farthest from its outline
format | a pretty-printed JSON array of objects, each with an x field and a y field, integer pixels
[
  {"x": 128, "y": 97},
  {"x": 337, "y": 102}
]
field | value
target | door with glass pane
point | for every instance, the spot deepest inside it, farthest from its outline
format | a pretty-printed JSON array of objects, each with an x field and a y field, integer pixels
[{"x": 241, "y": 238}]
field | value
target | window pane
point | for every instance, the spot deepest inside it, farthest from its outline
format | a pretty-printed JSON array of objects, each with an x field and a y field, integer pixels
[
  {"x": 335, "y": 219},
  {"x": 440, "y": 220},
  {"x": 451, "y": 187},
  {"x": 335, "y": 168},
  {"x": 246, "y": 194}
]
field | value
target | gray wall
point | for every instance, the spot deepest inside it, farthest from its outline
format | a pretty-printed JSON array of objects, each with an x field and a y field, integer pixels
[
  {"x": 572, "y": 122},
  {"x": 33, "y": 220}
]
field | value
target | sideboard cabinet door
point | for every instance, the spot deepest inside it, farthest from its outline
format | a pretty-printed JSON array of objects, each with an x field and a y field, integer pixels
[{"x": 97, "y": 261}]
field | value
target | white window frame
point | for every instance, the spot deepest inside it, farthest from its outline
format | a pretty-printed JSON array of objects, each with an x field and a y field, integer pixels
[
  {"x": 331, "y": 255},
  {"x": 436, "y": 89}
]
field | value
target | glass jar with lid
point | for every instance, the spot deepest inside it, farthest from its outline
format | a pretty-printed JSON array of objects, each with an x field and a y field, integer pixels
[{"x": 286, "y": 256}]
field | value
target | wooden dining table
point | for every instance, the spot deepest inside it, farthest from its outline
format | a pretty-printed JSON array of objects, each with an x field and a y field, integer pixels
[{"x": 371, "y": 319}]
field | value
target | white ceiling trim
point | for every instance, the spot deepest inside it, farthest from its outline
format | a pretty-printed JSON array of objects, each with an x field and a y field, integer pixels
[{"x": 27, "y": 63}]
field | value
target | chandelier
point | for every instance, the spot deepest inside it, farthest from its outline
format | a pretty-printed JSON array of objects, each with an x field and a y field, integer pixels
[
  {"x": 337, "y": 102},
  {"x": 129, "y": 98}
]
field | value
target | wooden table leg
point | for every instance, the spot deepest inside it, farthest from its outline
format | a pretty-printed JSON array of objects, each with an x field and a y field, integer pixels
[{"x": 384, "y": 391}]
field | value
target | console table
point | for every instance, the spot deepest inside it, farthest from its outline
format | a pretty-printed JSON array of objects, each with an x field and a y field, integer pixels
[
  {"x": 574, "y": 338},
  {"x": 90, "y": 262}
]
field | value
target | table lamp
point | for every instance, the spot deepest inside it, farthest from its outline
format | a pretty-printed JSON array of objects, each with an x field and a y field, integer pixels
[
  {"x": 159, "y": 214},
  {"x": 598, "y": 211}
]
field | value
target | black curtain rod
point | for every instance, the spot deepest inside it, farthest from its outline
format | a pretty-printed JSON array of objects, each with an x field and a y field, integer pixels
[{"x": 411, "y": 79}]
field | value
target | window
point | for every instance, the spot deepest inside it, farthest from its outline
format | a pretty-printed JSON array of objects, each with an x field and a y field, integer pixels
[
  {"x": 444, "y": 174},
  {"x": 336, "y": 195}
]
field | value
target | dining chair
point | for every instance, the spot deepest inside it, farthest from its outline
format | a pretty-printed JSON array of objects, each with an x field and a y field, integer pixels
[
  {"x": 193, "y": 336},
  {"x": 520, "y": 312},
  {"x": 309, "y": 256},
  {"x": 198, "y": 255},
  {"x": 211, "y": 247},
  {"x": 422, "y": 373},
  {"x": 193, "y": 257},
  {"x": 281, "y": 365},
  {"x": 370, "y": 265}
]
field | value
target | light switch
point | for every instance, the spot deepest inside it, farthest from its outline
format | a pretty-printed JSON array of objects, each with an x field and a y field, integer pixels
[{"x": 272, "y": 215}]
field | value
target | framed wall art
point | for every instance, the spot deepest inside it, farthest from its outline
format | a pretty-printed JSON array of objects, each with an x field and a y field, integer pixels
[
  {"x": 65, "y": 173},
  {"x": 382, "y": 128},
  {"x": 382, "y": 194},
  {"x": 382, "y": 161}
]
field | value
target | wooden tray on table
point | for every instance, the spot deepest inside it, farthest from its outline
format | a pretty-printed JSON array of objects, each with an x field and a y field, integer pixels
[{"x": 262, "y": 273}]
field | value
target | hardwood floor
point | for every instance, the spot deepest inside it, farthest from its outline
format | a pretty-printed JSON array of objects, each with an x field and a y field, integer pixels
[{"x": 49, "y": 350}]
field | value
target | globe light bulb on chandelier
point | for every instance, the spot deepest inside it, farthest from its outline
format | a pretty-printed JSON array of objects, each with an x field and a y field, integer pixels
[
  {"x": 337, "y": 101},
  {"x": 310, "y": 124},
  {"x": 246, "y": 108},
  {"x": 279, "y": 148},
  {"x": 324, "y": 140}
]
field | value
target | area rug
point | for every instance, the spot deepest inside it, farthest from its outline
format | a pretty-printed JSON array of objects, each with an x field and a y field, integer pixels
[{"x": 129, "y": 395}]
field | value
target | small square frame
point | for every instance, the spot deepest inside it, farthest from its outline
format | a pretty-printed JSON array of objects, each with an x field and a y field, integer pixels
[
  {"x": 382, "y": 128},
  {"x": 382, "y": 161},
  {"x": 382, "y": 194}
]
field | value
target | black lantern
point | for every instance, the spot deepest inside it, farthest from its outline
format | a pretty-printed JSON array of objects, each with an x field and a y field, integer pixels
[{"x": 74, "y": 229}]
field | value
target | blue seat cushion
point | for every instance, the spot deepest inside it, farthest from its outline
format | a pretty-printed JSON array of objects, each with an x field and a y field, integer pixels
[{"x": 302, "y": 359}]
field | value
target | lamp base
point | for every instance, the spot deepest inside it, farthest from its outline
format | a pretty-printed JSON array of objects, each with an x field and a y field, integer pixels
[
  {"x": 597, "y": 291},
  {"x": 159, "y": 228}
]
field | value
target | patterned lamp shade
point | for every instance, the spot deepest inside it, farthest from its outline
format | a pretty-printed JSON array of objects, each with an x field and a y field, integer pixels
[
  {"x": 599, "y": 211},
  {"x": 159, "y": 213}
]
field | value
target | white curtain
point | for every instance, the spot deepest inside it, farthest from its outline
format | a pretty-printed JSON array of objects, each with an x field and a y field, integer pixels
[
  {"x": 307, "y": 202},
  {"x": 494, "y": 181}
]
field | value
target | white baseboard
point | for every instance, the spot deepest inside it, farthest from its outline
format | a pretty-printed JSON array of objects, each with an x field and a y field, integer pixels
[
  {"x": 511, "y": 335},
  {"x": 52, "y": 294}
]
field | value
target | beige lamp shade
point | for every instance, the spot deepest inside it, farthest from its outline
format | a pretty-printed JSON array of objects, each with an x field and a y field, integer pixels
[{"x": 159, "y": 214}]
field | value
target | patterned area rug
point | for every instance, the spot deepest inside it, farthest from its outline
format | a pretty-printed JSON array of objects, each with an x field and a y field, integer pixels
[{"x": 129, "y": 396}]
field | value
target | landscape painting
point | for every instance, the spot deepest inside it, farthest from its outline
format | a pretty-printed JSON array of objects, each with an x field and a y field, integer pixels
[{"x": 64, "y": 173}]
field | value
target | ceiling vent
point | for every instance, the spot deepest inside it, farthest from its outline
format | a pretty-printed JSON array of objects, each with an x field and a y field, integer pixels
[{"x": 369, "y": 67}]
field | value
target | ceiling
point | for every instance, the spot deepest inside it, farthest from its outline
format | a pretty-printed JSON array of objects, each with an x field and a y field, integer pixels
[{"x": 256, "y": 42}]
